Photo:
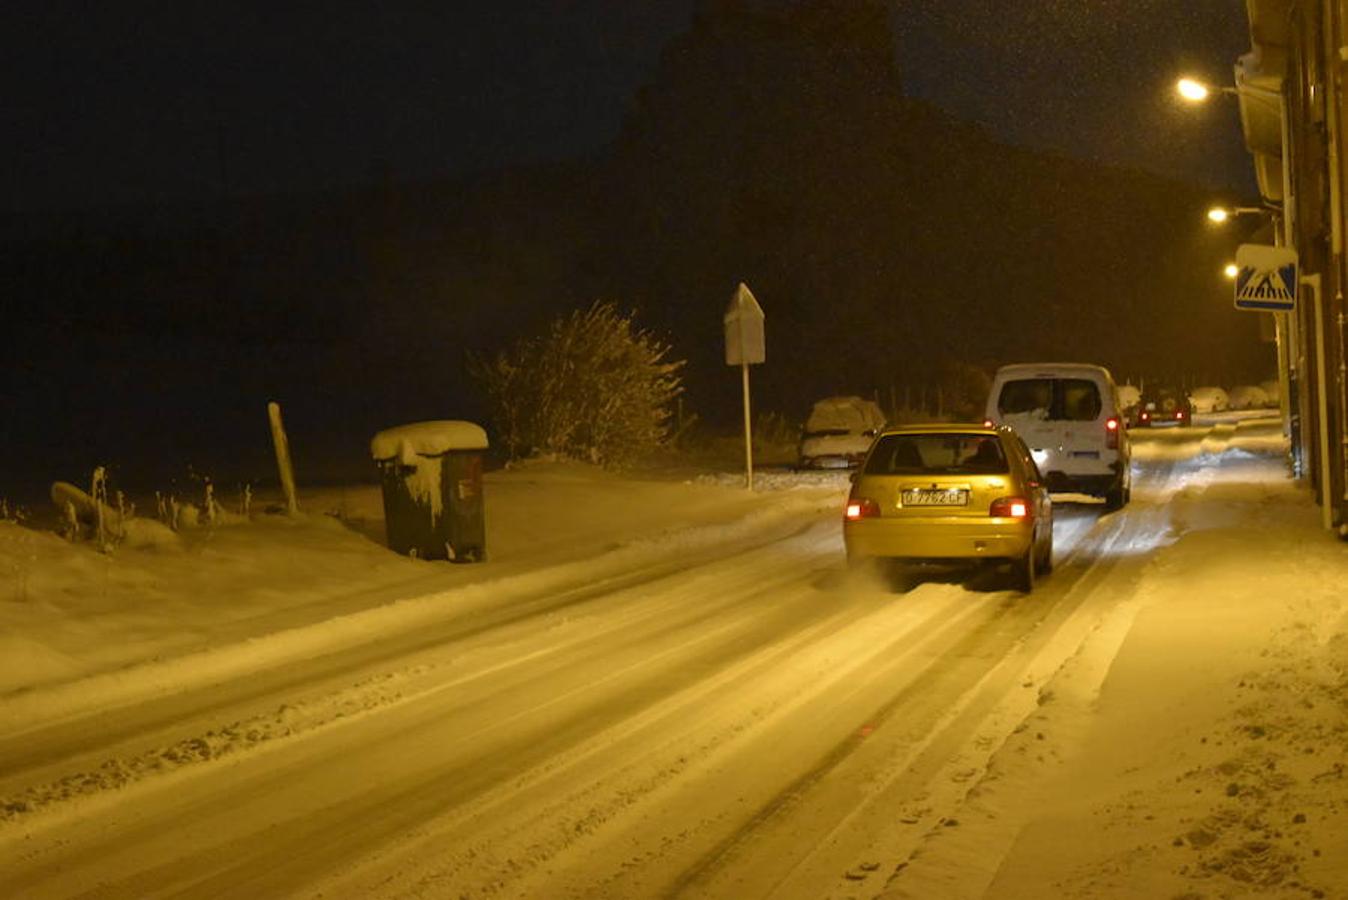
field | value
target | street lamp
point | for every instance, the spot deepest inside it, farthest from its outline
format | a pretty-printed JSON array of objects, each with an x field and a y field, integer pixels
[
  {"x": 1275, "y": 101},
  {"x": 1221, "y": 214},
  {"x": 1231, "y": 271},
  {"x": 1193, "y": 91}
]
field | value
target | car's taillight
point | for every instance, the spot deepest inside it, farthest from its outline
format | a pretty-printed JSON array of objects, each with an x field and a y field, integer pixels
[
  {"x": 988, "y": 423},
  {"x": 861, "y": 508},
  {"x": 1146, "y": 417},
  {"x": 1112, "y": 433},
  {"x": 1009, "y": 508},
  {"x": 1180, "y": 415}
]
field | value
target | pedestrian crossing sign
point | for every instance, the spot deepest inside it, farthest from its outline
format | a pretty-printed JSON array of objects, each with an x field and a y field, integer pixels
[{"x": 1266, "y": 278}]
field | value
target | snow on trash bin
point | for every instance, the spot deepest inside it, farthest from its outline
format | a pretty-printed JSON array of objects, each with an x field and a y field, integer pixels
[{"x": 431, "y": 474}]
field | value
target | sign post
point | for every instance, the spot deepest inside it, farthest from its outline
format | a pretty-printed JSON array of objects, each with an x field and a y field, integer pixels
[
  {"x": 1266, "y": 278},
  {"x": 745, "y": 346}
]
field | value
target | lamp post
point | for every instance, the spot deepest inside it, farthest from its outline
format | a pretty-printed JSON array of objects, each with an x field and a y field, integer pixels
[{"x": 1192, "y": 90}]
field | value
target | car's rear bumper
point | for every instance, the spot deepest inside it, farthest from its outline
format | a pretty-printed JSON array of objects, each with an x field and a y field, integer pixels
[
  {"x": 938, "y": 537},
  {"x": 1096, "y": 483},
  {"x": 832, "y": 461}
]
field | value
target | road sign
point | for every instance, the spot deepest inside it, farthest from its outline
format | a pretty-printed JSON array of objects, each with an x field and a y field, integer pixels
[
  {"x": 744, "y": 346},
  {"x": 1266, "y": 278},
  {"x": 744, "y": 343}
]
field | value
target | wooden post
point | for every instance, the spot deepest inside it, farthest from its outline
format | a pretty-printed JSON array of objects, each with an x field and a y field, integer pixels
[
  {"x": 748, "y": 432},
  {"x": 278, "y": 439}
]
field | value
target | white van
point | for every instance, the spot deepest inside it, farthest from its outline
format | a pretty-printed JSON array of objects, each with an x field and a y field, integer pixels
[{"x": 1069, "y": 415}]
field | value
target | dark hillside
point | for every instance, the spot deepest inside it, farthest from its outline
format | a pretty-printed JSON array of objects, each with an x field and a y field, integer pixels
[{"x": 773, "y": 146}]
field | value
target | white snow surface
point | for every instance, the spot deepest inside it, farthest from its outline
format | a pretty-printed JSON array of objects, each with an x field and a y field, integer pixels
[{"x": 667, "y": 685}]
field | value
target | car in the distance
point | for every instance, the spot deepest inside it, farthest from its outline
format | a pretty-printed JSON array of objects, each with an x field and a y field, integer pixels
[
  {"x": 1209, "y": 399},
  {"x": 1164, "y": 404},
  {"x": 951, "y": 494},
  {"x": 838, "y": 432}
]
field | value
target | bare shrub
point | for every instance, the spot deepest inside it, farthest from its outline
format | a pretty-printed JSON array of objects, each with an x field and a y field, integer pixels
[{"x": 595, "y": 387}]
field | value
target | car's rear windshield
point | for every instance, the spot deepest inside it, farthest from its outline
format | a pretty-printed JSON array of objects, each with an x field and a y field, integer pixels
[
  {"x": 1051, "y": 399},
  {"x": 945, "y": 453}
]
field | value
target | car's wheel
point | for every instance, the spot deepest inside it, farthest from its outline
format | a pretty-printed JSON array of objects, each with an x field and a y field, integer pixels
[
  {"x": 1116, "y": 497},
  {"x": 1046, "y": 557},
  {"x": 1024, "y": 571}
]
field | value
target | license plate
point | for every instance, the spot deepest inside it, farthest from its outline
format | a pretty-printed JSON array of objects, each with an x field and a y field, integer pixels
[{"x": 935, "y": 497}]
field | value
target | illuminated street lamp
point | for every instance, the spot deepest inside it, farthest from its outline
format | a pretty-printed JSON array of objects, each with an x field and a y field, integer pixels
[
  {"x": 1224, "y": 213},
  {"x": 1231, "y": 271},
  {"x": 1193, "y": 91}
]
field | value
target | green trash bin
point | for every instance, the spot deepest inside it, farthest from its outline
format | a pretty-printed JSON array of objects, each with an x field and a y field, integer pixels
[{"x": 431, "y": 475}]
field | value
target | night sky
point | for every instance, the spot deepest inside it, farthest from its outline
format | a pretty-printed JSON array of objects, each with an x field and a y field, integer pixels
[
  {"x": 157, "y": 102},
  {"x": 165, "y": 106}
]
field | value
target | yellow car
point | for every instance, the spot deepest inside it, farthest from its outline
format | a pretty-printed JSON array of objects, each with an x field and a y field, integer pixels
[{"x": 951, "y": 493}]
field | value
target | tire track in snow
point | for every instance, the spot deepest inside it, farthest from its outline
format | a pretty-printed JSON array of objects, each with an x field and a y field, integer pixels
[
  {"x": 49, "y": 767},
  {"x": 943, "y": 751},
  {"x": 690, "y": 618}
]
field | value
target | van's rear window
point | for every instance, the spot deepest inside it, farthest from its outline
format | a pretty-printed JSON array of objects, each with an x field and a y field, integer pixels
[
  {"x": 1052, "y": 399},
  {"x": 951, "y": 453}
]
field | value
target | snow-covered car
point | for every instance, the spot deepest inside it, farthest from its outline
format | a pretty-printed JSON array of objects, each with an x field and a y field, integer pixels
[
  {"x": 1130, "y": 395},
  {"x": 1209, "y": 399},
  {"x": 1248, "y": 396},
  {"x": 838, "y": 432}
]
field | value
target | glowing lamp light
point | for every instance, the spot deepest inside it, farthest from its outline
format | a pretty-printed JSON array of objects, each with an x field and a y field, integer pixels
[
  {"x": 1218, "y": 214},
  {"x": 1231, "y": 271},
  {"x": 1193, "y": 91}
]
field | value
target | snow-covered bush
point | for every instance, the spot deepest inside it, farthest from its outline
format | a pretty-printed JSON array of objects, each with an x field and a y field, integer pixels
[
  {"x": 595, "y": 387},
  {"x": 1274, "y": 392},
  {"x": 1248, "y": 396},
  {"x": 1209, "y": 399}
]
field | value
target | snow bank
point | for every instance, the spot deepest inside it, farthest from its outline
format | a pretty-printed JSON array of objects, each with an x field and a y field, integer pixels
[{"x": 85, "y": 629}]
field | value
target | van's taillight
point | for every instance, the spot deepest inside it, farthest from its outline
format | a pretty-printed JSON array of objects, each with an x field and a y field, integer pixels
[
  {"x": 1009, "y": 508},
  {"x": 1112, "y": 433},
  {"x": 861, "y": 508}
]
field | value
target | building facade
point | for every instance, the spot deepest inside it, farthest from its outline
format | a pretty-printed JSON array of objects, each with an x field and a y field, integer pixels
[{"x": 1292, "y": 105}]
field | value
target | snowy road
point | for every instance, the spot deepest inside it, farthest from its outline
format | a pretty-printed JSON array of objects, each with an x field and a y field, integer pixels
[{"x": 737, "y": 718}]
